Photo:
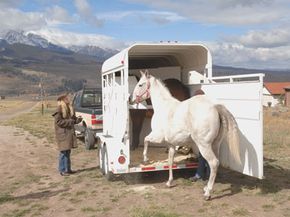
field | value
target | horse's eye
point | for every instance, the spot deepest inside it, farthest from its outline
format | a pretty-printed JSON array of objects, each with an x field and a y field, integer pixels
[{"x": 140, "y": 85}]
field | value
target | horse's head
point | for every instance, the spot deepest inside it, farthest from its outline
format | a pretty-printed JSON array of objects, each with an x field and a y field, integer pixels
[{"x": 142, "y": 90}]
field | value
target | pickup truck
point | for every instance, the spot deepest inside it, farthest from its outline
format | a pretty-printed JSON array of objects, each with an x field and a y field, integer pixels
[{"x": 87, "y": 103}]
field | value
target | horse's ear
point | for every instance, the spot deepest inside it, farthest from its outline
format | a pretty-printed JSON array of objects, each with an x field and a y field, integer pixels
[
  {"x": 142, "y": 73},
  {"x": 147, "y": 74}
]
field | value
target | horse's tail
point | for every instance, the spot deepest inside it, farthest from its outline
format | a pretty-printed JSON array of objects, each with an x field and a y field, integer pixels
[{"x": 228, "y": 151}]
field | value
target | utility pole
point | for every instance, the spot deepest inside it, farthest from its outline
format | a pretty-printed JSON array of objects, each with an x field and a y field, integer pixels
[{"x": 41, "y": 95}]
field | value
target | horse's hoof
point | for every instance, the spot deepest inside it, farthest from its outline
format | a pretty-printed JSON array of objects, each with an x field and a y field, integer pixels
[
  {"x": 207, "y": 198},
  {"x": 169, "y": 185}
]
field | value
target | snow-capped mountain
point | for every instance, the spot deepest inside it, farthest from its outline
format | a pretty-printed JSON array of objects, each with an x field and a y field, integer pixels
[
  {"x": 100, "y": 53},
  {"x": 21, "y": 37}
]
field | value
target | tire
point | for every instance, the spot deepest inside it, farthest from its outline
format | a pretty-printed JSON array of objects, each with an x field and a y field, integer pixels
[
  {"x": 89, "y": 139},
  {"x": 101, "y": 159},
  {"x": 104, "y": 164}
]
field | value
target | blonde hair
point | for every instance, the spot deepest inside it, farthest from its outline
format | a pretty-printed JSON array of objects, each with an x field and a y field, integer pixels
[{"x": 65, "y": 109}]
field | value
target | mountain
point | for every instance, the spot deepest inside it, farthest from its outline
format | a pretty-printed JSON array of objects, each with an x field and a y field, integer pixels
[
  {"x": 270, "y": 75},
  {"x": 23, "y": 66},
  {"x": 28, "y": 59},
  {"x": 100, "y": 53},
  {"x": 20, "y": 37}
]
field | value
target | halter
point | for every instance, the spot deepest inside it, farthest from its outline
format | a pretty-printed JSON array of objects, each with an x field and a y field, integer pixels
[{"x": 138, "y": 97}]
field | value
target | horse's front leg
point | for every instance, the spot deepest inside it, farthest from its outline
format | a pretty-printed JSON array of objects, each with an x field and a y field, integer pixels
[
  {"x": 154, "y": 137},
  {"x": 171, "y": 153}
]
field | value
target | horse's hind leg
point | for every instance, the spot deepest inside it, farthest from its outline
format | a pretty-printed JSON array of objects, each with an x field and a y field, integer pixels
[
  {"x": 171, "y": 153},
  {"x": 213, "y": 164}
]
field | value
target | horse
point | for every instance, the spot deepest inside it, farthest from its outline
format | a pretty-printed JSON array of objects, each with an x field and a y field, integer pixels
[
  {"x": 196, "y": 121},
  {"x": 177, "y": 90}
]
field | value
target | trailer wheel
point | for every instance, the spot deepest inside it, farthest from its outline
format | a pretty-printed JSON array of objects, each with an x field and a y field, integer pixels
[
  {"x": 100, "y": 153},
  {"x": 89, "y": 139},
  {"x": 105, "y": 165}
]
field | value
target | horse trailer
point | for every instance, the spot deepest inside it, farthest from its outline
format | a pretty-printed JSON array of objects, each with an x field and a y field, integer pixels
[{"x": 125, "y": 126}]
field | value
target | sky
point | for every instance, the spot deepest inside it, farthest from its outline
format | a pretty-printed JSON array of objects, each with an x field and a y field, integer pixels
[{"x": 239, "y": 33}]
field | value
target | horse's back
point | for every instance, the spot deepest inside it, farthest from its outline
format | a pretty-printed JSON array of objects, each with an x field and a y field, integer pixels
[
  {"x": 202, "y": 115},
  {"x": 200, "y": 105}
]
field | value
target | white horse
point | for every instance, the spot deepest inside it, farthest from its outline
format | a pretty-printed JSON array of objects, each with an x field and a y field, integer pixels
[{"x": 196, "y": 122}]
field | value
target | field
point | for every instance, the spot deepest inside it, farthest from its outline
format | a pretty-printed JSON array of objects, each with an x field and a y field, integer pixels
[{"x": 31, "y": 186}]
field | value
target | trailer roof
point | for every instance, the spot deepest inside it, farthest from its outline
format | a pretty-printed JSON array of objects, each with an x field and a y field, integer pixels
[{"x": 190, "y": 56}]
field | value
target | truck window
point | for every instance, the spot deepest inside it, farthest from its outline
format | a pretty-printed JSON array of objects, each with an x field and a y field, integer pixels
[{"x": 92, "y": 99}]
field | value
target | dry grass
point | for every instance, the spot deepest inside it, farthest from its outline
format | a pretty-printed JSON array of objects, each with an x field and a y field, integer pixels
[
  {"x": 6, "y": 105},
  {"x": 277, "y": 136},
  {"x": 90, "y": 194},
  {"x": 36, "y": 123},
  {"x": 277, "y": 128}
]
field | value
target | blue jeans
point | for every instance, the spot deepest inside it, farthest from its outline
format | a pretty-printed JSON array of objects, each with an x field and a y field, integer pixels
[
  {"x": 203, "y": 169},
  {"x": 64, "y": 161}
]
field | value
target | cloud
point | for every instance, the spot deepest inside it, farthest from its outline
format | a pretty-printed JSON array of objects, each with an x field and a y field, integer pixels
[
  {"x": 159, "y": 17},
  {"x": 85, "y": 13},
  {"x": 226, "y": 12},
  {"x": 16, "y": 19},
  {"x": 235, "y": 54},
  {"x": 9, "y": 3},
  {"x": 68, "y": 39},
  {"x": 266, "y": 39},
  {"x": 57, "y": 15}
]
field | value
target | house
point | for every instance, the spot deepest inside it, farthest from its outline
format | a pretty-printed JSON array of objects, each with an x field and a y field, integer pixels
[{"x": 274, "y": 93}]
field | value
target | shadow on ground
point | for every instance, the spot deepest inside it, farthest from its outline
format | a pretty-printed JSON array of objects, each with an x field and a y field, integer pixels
[
  {"x": 36, "y": 195},
  {"x": 276, "y": 179}
]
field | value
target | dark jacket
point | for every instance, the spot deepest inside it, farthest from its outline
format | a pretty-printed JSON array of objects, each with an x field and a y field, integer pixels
[{"x": 64, "y": 128}]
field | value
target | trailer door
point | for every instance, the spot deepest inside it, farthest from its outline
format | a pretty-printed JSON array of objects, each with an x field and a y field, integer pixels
[{"x": 242, "y": 95}]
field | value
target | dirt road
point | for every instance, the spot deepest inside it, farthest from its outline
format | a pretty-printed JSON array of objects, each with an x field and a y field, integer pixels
[{"x": 31, "y": 186}]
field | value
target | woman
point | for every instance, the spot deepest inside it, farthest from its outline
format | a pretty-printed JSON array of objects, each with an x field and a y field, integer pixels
[{"x": 64, "y": 121}]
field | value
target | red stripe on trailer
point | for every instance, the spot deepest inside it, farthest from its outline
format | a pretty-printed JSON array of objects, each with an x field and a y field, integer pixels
[
  {"x": 148, "y": 168},
  {"x": 191, "y": 165},
  {"x": 166, "y": 167},
  {"x": 173, "y": 166}
]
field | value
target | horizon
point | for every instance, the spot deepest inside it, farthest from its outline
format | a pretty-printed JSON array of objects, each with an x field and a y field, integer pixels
[{"x": 258, "y": 40}]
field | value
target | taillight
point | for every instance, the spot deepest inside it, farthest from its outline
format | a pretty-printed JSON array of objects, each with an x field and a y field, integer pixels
[
  {"x": 121, "y": 159},
  {"x": 97, "y": 122}
]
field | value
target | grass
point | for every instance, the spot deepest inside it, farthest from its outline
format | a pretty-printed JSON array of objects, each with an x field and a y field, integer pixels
[
  {"x": 35, "y": 123},
  {"x": 24, "y": 181},
  {"x": 152, "y": 213},
  {"x": 34, "y": 210},
  {"x": 275, "y": 186},
  {"x": 5, "y": 198},
  {"x": 240, "y": 212},
  {"x": 95, "y": 210},
  {"x": 6, "y": 105},
  {"x": 276, "y": 132},
  {"x": 268, "y": 207},
  {"x": 17, "y": 213}
]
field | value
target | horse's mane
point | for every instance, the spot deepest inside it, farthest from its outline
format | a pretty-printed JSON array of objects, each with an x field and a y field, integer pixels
[{"x": 163, "y": 90}]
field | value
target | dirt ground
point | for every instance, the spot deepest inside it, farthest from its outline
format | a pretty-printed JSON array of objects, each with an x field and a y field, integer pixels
[{"x": 31, "y": 186}]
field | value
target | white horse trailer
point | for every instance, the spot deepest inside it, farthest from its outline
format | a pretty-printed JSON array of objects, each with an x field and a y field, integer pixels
[{"x": 192, "y": 65}]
